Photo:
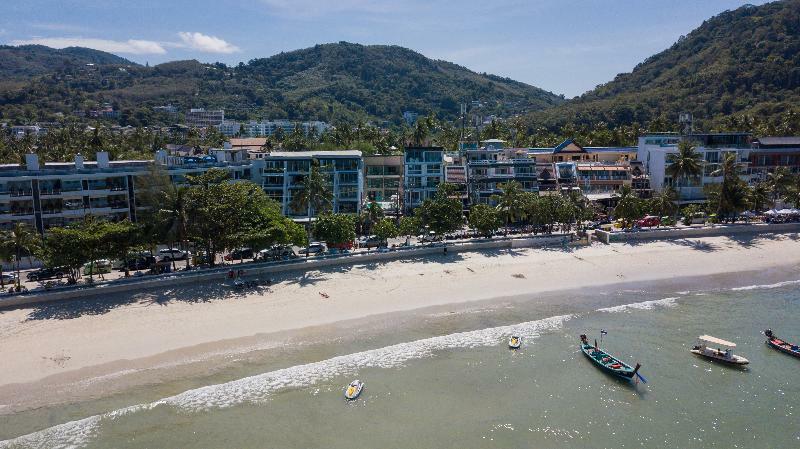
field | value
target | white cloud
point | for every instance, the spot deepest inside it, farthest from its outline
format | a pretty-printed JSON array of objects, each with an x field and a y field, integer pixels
[
  {"x": 206, "y": 44},
  {"x": 317, "y": 8},
  {"x": 131, "y": 46}
]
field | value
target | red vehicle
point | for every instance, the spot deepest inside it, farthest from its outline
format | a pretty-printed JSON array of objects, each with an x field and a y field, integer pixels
[{"x": 648, "y": 221}]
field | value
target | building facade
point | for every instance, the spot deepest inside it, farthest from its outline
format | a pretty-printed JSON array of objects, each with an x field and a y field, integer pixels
[
  {"x": 202, "y": 118},
  {"x": 269, "y": 128},
  {"x": 383, "y": 178},
  {"x": 655, "y": 149},
  {"x": 423, "y": 172},
  {"x": 489, "y": 168},
  {"x": 285, "y": 172},
  {"x": 57, "y": 194}
]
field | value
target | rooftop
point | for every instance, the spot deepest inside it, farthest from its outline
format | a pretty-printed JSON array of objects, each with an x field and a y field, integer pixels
[{"x": 311, "y": 154}]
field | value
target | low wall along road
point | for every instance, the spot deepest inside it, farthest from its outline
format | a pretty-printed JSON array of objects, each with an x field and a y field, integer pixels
[
  {"x": 137, "y": 284},
  {"x": 680, "y": 233}
]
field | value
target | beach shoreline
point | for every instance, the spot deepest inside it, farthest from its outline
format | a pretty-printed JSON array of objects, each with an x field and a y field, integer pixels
[{"x": 60, "y": 353}]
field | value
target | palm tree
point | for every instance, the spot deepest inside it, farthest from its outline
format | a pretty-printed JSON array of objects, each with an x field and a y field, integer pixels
[
  {"x": 172, "y": 218},
  {"x": 420, "y": 132},
  {"x": 758, "y": 196},
  {"x": 663, "y": 202},
  {"x": 6, "y": 254},
  {"x": 684, "y": 164},
  {"x": 732, "y": 192},
  {"x": 510, "y": 203},
  {"x": 316, "y": 196},
  {"x": 779, "y": 182},
  {"x": 23, "y": 239},
  {"x": 370, "y": 215}
]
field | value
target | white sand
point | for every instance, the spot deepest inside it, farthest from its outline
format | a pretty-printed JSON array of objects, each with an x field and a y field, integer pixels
[{"x": 32, "y": 349}]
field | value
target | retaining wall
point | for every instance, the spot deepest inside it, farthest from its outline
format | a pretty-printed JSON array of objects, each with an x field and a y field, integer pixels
[
  {"x": 173, "y": 279},
  {"x": 679, "y": 233}
]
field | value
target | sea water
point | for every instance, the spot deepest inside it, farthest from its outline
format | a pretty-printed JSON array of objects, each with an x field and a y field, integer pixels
[{"x": 449, "y": 380}]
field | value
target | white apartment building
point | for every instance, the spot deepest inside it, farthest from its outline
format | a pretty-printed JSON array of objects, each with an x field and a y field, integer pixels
[
  {"x": 284, "y": 173},
  {"x": 202, "y": 118},
  {"x": 268, "y": 128},
  {"x": 58, "y": 193},
  {"x": 655, "y": 149}
]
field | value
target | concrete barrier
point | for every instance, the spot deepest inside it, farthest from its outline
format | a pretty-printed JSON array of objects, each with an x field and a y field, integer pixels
[
  {"x": 706, "y": 231},
  {"x": 173, "y": 279}
]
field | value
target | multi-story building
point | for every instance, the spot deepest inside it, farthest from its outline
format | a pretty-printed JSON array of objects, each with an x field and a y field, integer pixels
[
  {"x": 383, "y": 178},
  {"x": 202, "y": 118},
  {"x": 655, "y": 149},
  {"x": 597, "y": 171},
  {"x": 285, "y": 172},
  {"x": 423, "y": 172},
  {"x": 56, "y": 194},
  {"x": 489, "y": 168},
  {"x": 769, "y": 153},
  {"x": 268, "y": 128}
]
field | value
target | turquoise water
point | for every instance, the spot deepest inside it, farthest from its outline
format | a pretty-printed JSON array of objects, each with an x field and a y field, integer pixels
[{"x": 449, "y": 380}]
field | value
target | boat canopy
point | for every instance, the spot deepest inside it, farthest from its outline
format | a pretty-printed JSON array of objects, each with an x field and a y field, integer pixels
[{"x": 718, "y": 341}]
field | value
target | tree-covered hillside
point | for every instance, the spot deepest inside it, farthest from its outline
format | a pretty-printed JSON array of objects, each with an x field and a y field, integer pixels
[
  {"x": 32, "y": 60},
  {"x": 330, "y": 82},
  {"x": 744, "y": 62}
]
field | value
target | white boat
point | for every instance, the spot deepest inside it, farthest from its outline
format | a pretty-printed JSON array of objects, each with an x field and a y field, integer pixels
[
  {"x": 353, "y": 390},
  {"x": 514, "y": 342},
  {"x": 718, "y": 349}
]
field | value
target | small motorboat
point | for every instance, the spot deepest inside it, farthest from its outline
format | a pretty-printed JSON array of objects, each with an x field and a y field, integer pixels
[
  {"x": 711, "y": 348},
  {"x": 781, "y": 345},
  {"x": 609, "y": 363},
  {"x": 353, "y": 390},
  {"x": 515, "y": 342}
]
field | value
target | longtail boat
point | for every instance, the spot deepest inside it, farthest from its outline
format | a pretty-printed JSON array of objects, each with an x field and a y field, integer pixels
[
  {"x": 781, "y": 345},
  {"x": 609, "y": 363}
]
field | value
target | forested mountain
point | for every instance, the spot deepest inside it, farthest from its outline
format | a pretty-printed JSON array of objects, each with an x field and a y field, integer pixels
[
  {"x": 329, "y": 82},
  {"x": 739, "y": 67},
  {"x": 31, "y": 60}
]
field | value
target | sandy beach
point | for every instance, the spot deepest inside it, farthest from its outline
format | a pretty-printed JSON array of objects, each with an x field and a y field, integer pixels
[{"x": 65, "y": 344}]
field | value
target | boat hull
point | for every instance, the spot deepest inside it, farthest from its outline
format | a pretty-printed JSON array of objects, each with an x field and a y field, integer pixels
[
  {"x": 779, "y": 345},
  {"x": 597, "y": 357},
  {"x": 734, "y": 360}
]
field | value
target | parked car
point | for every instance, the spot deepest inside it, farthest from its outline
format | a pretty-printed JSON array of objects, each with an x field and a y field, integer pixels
[
  {"x": 369, "y": 242},
  {"x": 313, "y": 248},
  {"x": 648, "y": 221},
  {"x": 45, "y": 273},
  {"x": 276, "y": 252},
  {"x": 136, "y": 260},
  {"x": 173, "y": 254},
  {"x": 239, "y": 254},
  {"x": 101, "y": 266},
  {"x": 9, "y": 277}
]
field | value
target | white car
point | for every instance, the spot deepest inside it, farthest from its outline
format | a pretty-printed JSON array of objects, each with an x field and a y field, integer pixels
[
  {"x": 313, "y": 248},
  {"x": 168, "y": 254},
  {"x": 9, "y": 277}
]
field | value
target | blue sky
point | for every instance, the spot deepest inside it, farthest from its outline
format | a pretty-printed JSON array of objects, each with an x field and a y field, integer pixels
[{"x": 565, "y": 46}]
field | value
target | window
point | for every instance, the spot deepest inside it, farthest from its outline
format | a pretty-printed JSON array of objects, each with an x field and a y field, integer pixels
[
  {"x": 414, "y": 169},
  {"x": 298, "y": 166},
  {"x": 392, "y": 170},
  {"x": 348, "y": 178},
  {"x": 375, "y": 183},
  {"x": 375, "y": 170},
  {"x": 433, "y": 156},
  {"x": 346, "y": 164},
  {"x": 434, "y": 168}
]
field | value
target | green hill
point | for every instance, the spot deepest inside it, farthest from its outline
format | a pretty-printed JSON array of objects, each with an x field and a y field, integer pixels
[
  {"x": 327, "y": 82},
  {"x": 744, "y": 62},
  {"x": 32, "y": 60}
]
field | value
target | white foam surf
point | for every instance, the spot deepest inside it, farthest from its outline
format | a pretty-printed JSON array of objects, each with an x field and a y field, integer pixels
[
  {"x": 766, "y": 286},
  {"x": 644, "y": 305},
  {"x": 258, "y": 388}
]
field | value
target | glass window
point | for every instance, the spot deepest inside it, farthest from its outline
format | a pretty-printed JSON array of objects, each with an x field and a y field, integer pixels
[
  {"x": 434, "y": 168},
  {"x": 375, "y": 183},
  {"x": 348, "y": 178},
  {"x": 433, "y": 156},
  {"x": 392, "y": 170},
  {"x": 346, "y": 164},
  {"x": 375, "y": 170}
]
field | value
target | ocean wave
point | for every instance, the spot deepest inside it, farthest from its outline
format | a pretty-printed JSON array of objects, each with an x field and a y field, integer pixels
[
  {"x": 765, "y": 286},
  {"x": 258, "y": 388},
  {"x": 644, "y": 305}
]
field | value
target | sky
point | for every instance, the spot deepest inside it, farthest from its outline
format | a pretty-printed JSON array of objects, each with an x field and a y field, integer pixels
[{"x": 564, "y": 46}]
